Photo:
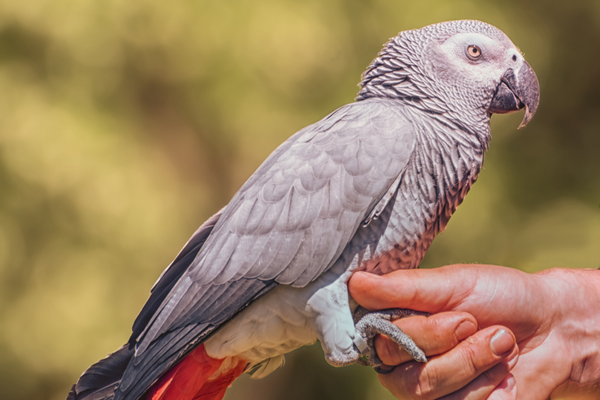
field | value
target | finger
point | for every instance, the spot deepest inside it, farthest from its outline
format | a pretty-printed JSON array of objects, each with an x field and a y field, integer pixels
[
  {"x": 506, "y": 390},
  {"x": 438, "y": 289},
  {"x": 451, "y": 371},
  {"x": 434, "y": 335},
  {"x": 430, "y": 290},
  {"x": 493, "y": 384},
  {"x": 493, "y": 295}
]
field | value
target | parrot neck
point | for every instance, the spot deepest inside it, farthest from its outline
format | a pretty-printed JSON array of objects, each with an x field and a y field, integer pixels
[{"x": 395, "y": 74}]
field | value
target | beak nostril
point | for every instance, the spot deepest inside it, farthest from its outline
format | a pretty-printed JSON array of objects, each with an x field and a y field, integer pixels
[{"x": 514, "y": 57}]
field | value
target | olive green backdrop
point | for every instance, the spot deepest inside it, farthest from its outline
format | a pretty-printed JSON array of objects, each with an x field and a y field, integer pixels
[{"x": 124, "y": 124}]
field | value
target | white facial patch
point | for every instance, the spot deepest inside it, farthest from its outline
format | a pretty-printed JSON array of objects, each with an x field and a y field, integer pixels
[
  {"x": 457, "y": 45},
  {"x": 449, "y": 60}
]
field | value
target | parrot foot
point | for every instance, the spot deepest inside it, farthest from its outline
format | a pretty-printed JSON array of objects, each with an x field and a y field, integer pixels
[{"x": 370, "y": 324}]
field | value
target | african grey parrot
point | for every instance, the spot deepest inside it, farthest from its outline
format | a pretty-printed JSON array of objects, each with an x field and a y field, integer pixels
[{"x": 366, "y": 188}]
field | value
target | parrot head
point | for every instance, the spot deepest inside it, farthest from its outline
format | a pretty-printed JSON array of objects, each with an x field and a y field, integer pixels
[{"x": 466, "y": 70}]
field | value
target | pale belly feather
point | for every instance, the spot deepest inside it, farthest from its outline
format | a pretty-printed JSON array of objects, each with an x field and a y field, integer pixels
[{"x": 274, "y": 325}]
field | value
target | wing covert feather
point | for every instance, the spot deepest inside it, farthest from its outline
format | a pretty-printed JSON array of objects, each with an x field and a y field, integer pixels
[{"x": 286, "y": 225}]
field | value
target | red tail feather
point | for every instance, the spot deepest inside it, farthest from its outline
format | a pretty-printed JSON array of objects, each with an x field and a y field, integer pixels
[
  {"x": 196, "y": 377},
  {"x": 215, "y": 389}
]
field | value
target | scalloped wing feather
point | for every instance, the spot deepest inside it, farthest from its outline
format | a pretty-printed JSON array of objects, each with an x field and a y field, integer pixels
[{"x": 287, "y": 225}]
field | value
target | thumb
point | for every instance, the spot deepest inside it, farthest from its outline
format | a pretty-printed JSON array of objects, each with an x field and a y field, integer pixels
[{"x": 428, "y": 290}]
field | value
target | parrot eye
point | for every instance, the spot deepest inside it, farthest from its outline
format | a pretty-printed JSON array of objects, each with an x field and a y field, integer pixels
[{"x": 473, "y": 52}]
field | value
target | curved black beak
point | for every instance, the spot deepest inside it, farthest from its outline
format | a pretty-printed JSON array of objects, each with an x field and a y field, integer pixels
[{"x": 516, "y": 91}]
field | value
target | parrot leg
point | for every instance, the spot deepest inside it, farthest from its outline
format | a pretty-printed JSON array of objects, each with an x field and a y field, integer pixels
[
  {"x": 332, "y": 320},
  {"x": 347, "y": 331},
  {"x": 370, "y": 324}
]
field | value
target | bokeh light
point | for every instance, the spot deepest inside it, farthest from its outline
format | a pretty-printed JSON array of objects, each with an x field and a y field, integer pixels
[{"x": 124, "y": 124}]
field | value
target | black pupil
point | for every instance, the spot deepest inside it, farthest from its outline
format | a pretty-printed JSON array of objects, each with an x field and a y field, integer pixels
[{"x": 474, "y": 50}]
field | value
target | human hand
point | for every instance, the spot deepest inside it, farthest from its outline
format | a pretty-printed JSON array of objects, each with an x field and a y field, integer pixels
[
  {"x": 457, "y": 368},
  {"x": 554, "y": 315}
]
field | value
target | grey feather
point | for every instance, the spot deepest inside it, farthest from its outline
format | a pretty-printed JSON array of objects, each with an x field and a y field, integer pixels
[
  {"x": 286, "y": 225},
  {"x": 383, "y": 174}
]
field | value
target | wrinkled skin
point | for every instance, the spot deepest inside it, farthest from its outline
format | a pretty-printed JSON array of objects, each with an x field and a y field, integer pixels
[{"x": 554, "y": 317}]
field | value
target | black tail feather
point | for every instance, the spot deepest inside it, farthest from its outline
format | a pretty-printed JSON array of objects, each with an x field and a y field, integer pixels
[{"x": 100, "y": 380}]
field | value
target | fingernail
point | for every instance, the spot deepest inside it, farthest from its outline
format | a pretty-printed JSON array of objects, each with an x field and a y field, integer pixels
[
  {"x": 502, "y": 342},
  {"x": 465, "y": 329}
]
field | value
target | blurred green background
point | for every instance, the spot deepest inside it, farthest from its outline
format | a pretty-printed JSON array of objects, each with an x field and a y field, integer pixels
[{"x": 124, "y": 124}]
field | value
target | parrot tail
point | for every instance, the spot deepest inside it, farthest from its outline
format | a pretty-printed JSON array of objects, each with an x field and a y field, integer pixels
[
  {"x": 99, "y": 381},
  {"x": 197, "y": 377}
]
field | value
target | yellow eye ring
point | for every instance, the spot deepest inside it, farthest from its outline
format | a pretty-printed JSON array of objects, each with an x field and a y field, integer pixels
[{"x": 473, "y": 52}]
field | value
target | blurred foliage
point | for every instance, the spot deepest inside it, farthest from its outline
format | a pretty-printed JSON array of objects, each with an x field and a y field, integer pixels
[{"x": 124, "y": 124}]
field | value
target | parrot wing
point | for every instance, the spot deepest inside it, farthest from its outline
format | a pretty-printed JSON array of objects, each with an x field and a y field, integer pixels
[
  {"x": 286, "y": 225},
  {"x": 171, "y": 275}
]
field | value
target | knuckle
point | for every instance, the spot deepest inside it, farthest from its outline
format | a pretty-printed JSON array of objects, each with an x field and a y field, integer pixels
[
  {"x": 427, "y": 382},
  {"x": 468, "y": 356},
  {"x": 496, "y": 374},
  {"x": 411, "y": 382},
  {"x": 488, "y": 377}
]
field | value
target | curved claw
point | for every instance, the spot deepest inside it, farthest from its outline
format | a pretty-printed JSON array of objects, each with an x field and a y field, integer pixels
[
  {"x": 371, "y": 324},
  {"x": 383, "y": 371},
  {"x": 362, "y": 362}
]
